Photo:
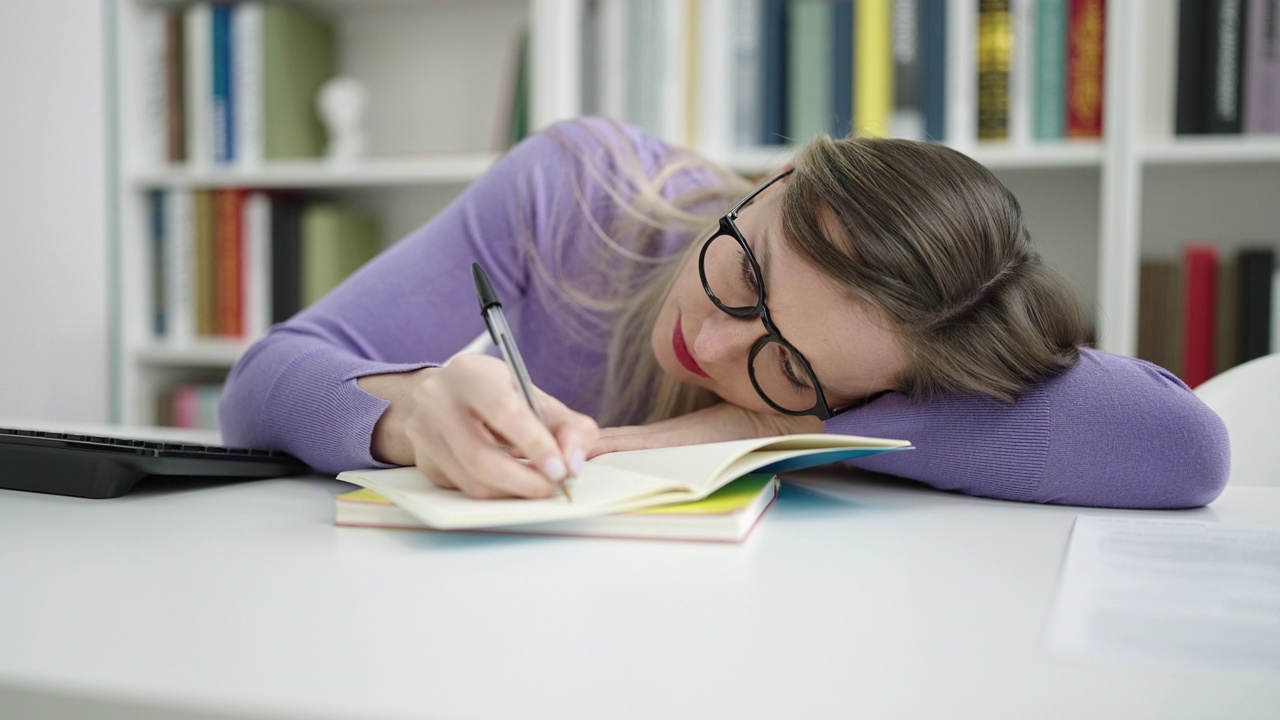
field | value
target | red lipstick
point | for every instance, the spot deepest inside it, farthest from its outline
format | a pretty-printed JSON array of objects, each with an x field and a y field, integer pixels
[{"x": 682, "y": 351}]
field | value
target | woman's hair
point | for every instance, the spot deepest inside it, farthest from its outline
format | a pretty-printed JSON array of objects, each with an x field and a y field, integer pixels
[
  {"x": 935, "y": 242},
  {"x": 928, "y": 237}
]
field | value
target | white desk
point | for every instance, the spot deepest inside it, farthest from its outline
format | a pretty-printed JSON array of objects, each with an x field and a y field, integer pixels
[{"x": 853, "y": 598}]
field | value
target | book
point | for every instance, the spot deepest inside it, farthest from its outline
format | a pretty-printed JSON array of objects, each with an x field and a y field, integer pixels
[
  {"x": 297, "y": 59},
  {"x": 995, "y": 55},
  {"x": 873, "y": 67},
  {"x": 1086, "y": 62},
  {"x": 1256, "y": 267},
  {"x": 197, "y": 82},
  {"x": 808, "y": 105},
  {"x": 621, "y": 481},
  {"x": 1190, "y": 117},
  {"x": 1050, "y": 69},
  {"x": 223, "y": 101},
  {"x": 1261, "y": 96},
  {"x": 962, "y": 73},
  {"x": 335, "y": 242},
  {"x": 933, "y": 68},
  {"x": 1200, "y": 296},
  {"x": 1225, "y": 66},
  {"x": 841, "y": 74},
  {"x": 773, "y": 73},
  {"x": 726, "y": 515}
]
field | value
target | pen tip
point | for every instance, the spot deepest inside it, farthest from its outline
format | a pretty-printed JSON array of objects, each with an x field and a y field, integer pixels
[{"x": 564, "y": 488}]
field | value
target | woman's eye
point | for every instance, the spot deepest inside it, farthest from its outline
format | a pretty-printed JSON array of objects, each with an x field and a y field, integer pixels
[{"x": 748, "y": 274}]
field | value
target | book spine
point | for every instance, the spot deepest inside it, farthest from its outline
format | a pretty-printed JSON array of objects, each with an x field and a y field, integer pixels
[
  {"x": 205, "y": 228},
  {"x": 1190, "y": 117},
  {"x": 873, "y": 66},
  {"x": 808, "y": 104},
  {"x": 995, "y": 40},
  {"x": 256, "y": 275},
  {"x": 1256, "y": 268},
  {"x": 1200, "y": 268},
  {"x": 1225, "y": 55},
  {"x": 841, "y": 73},
  {"x": 223, "y": 152},
  {"x": 907, "y": 118},
  {"x": 748, "y": 74},
  {"x": 153, "y": 34},
  {"x": 228, "y": 258},
  {"x": 1226, "y": 343},
  {"x": 1050, "y": 69},
  {"x": 179, "y": 266},
  {"x": 156, "y": 217},
  {"x": 1261, "y": 96},
  {"x": 933, "y": 68},
  {"x": 1086, "y": 34},
  {"x": 1159, "y": 91},
  {"x": 1021, "y": 71},
  {"x": 246, "y": 38},
  {"x": 773, "y": 93},
  {"x": 199, "y": 83},
  {"x": 1157, "y": 276},
  {"x": 175, "y": 83},
  {"x": 962, "y": 73},
  {"x": 286, "y": 258}
]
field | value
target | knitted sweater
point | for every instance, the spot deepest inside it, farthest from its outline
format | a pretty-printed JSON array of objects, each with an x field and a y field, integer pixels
[{"x": 1111, "y": 431}]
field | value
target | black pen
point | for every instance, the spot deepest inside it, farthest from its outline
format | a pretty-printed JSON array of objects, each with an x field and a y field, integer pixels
[{"x": 491, "y": 311}]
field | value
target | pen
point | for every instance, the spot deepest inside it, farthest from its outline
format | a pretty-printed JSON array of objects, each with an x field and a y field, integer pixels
[{"x": 491, "y": 311}]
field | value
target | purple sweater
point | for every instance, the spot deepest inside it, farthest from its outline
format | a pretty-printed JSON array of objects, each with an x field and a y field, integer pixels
[{"x": 1112, "y": 431}]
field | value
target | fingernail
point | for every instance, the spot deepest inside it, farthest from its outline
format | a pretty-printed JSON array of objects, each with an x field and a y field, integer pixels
[
  {"x": 577, "y": 459},
  {"x": 553, "y": 467}
]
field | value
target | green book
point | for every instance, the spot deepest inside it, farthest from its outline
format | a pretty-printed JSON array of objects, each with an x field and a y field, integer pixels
[
  {"x": 808, "y": 69},
  {"x": 1050, "y": 69},
  {"x": 335, "y": 242},
  {"x": 297, "y": 58}
]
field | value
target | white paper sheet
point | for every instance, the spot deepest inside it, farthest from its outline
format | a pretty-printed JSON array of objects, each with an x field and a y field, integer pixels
[{"x": 1170, "y": 590}]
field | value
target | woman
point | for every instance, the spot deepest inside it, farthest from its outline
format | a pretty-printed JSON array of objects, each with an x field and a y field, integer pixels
[{"x": 875, "y": 287}]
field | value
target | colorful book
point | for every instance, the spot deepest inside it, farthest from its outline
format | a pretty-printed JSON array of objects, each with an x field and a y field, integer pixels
[
  {"x": 873, "y": 67},
  {"x": 621, "y": 481},
  {"x": 933, "y": 68},
  {"x": 174, "y": 86},
  {"x": 297, "y": 59},
  {"x": 223, "y": 101},
  {"x": 229, "y": 263},
  {"x": 1261, "y": 96},
  {"x": 841, "y": 74},
  {"x": 1224, "y": 52},
  {"x": 1086, "y": 58},
  {"x": 1256, "y": 267},
  {"x": 809, "y": 101},
  {"x": 1050, "y": 69},
  {"x": 995, "y": 56},
  {"x": 727, "y": 515},
  {"x": 1200, "y": 296},
  {"x": 335, "y": 242},
  {"x": 205, "y": 229}
]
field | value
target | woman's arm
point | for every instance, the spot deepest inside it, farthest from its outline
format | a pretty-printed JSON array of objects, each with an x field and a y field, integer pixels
[
  {"x": 409, "y": 308},
  {"x": 1111, "y": 431}
]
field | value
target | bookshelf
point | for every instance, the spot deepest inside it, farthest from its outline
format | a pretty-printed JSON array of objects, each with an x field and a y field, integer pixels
[{"x": 439, "y": 74}]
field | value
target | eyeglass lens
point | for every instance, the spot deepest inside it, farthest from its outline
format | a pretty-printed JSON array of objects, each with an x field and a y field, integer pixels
[{"x": 778, "y": 372}]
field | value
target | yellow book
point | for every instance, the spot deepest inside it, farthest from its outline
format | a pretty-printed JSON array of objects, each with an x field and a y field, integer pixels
[
  {"x": 621, "y": 481},
  {"x": 873, "y": 67},
  {"x": 727, "y": 515}
]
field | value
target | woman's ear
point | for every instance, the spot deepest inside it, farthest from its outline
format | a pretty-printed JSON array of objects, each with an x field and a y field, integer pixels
[{"x": 791, "y": 165}]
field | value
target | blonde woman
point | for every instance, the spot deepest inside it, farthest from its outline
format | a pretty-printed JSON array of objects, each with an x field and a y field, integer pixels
[{"x": 873, "y": 287}]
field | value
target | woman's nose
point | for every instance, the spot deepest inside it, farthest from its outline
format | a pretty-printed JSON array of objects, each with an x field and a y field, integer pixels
[{"x": 724, "y": 338}]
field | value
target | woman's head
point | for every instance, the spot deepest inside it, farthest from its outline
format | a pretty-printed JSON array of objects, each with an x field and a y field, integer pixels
[
  {"x": 934, "y": 242},
  {"x": 890, "y": 265}
]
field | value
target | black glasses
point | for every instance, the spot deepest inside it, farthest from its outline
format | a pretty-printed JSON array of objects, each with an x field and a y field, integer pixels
[{"x": 732, "y": 278}]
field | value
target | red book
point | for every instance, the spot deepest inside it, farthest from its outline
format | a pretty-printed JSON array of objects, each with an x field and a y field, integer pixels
[
  {"x": 1086, "y": 34},
  {"x": 229, "y": 261},
  {"x": 1199, "y": 312}
]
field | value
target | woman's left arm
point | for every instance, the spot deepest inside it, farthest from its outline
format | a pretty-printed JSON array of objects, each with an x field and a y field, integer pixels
[{"x": 1111, "y": 431}]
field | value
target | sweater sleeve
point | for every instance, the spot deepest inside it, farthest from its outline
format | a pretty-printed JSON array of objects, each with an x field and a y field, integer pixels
[
  {"x": 1111, "y": 431},
  {"x": 412, "y": 306}
]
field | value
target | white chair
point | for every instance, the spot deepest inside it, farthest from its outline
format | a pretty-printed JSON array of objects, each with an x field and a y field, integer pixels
[{"x": 1247, "y": 398}]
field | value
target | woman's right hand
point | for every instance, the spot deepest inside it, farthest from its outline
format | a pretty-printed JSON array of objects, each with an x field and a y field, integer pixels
[{"x": 454, "y": 424}]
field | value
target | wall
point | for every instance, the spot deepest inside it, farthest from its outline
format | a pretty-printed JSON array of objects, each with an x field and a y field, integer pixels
[{"x": 53, "y": 213}]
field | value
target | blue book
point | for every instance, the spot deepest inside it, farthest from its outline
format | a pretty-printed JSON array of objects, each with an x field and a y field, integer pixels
[
  {"x": 773, "y": 98},
  {"x": 156, "y": 201},
  {"x": 841, "y": 68},
  {"x": 223, "y": 109},
  {"x": 933, "y": 68}
]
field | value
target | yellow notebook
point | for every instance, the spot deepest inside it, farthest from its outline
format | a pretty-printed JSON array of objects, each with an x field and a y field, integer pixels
[
  {"x": 622, "y": 481},
  {"x": 727, "y": 515}
]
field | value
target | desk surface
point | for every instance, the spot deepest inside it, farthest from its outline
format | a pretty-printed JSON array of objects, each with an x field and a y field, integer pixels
[{"x": 856, "y": 596}]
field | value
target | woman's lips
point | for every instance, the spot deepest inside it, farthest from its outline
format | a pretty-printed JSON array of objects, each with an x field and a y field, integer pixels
[{"x": 682, "y": 351}]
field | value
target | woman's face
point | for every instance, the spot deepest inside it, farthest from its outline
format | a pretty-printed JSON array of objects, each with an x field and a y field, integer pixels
[{"x": 846, "y": 342}]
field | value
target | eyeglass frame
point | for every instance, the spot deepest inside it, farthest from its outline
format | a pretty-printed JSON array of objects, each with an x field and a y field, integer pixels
[{"x": 728, "y": 227}]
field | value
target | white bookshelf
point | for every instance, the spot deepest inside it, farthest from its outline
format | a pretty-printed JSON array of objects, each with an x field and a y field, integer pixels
[{"x": 437, "y": 71}]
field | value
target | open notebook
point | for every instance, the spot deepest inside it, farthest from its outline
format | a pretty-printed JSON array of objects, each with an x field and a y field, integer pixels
[{"x": 621, "y": 481}]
